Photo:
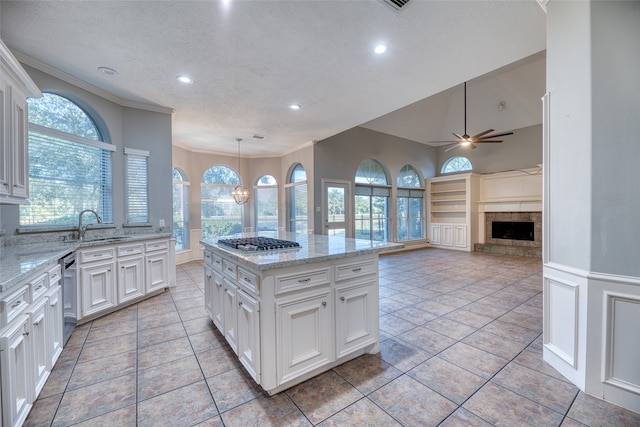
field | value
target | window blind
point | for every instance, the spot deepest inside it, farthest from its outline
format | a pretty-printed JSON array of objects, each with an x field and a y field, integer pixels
[{"x": 137, "y": 188}]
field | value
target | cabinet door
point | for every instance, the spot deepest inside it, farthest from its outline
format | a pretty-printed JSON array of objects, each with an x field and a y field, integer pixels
[
  {"x": 217, "y": 303},
  {"x": 157, "y": 271},
  {"x": 130, "y": 278},
  {"x": 460, "y": 236},
  {"x": 54, "y": 324},
  {"x": 356, "y": 325},
  {"x": 446, "y": 235},
  {"x": 208, "y": 291},
  {"x": 5, "y": 139},
  {"x": 435, "y": 234},
  {"x": 303, "y": 335},
  {"x": 249, "y": 334},
  {"x": 97, "y": 287},
  {"x": 15, "y": 344},
  {"x": 19, "y": 145},
  {"x": 40, "y": 347},
  {"x": 230, "y": 313}
]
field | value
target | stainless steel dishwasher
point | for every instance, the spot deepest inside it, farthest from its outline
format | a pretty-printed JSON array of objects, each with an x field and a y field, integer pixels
[{"x": 69, "y": 294}]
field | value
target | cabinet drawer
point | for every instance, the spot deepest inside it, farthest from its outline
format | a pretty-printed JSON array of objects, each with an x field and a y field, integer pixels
[
  {"x": 96, "y": 254},
  {"x": 125, "y": 250},
  {"x": 38, "y": 286},
  {"x": 207, "y": 258},
  {"x": 216, "y": 262},
  {"x": 14, "y": 304},
  {"x": 54, "y": 275},
  {"x": 229, "y": 269},
  {"x": 249, "y": 281},
  {"x": 307, "y": 279},
  {"x": 156, "y": 246},
  {"x": 356, "y": 269}
]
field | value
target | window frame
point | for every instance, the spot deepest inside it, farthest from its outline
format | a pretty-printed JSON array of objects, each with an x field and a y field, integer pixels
[
  {"x": 372, "y": 188},
  {"x": 450, "y": 160},
  {"x": 227, "y": 188},
  {"x": 136, "y": 184},
  {"x": 295, "y": 188},
  {"x": 412, "y": 193},
  {"x": 257, "y": 192},
  {"x": 183, "y": 184}
]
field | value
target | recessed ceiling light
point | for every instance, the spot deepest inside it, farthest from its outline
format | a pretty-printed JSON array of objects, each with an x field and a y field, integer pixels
[
  {"x": 295, "y": 106},
  {"x": 184, "y": 79},
  {"x": 108, "y": 71},
  {"x": 380, "y": 49}
]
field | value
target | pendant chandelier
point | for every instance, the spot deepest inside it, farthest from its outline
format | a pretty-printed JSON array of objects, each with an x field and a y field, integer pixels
[{"x": 240, "y": 193}]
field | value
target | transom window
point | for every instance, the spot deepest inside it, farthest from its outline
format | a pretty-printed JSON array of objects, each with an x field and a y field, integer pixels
[
  {"x": 180, "y": 209},
  {"x": 456, "y": 164},
  {"x": 372, "y": 201},
  {"x": 69, "y": 165},
  {"x": 409, "y": 204},
  {"x": 266, "y": 203},
  {"x": 220, "y": 214},
  {"x": 297, "y": 199}
]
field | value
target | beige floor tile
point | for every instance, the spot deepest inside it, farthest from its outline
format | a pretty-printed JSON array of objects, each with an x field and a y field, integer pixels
[
  {"x": 102, "y": 369},
  {"x": 108, "y": 347},
  {"x": 233, "y": 388},
  {"x": 185, "y": 406},
  {"x": 148, "y": 337},
  {"x": 164, "y": 352},
  {"x": 474, "y": 360},
  {"x": 276, "y": 410},
  {"x": 367, "y": 373},
  {"x": 160, "y": 379},
  {"x": 401, "y": 355},
  {"x": 427, "y": 340},
  {"x": 595, "y": 412},
  {"x": 451, "y": 381},
  {"x": 362, "y": 413}
]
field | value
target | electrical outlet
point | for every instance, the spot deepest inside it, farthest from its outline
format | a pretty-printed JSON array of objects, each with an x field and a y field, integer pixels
[{"x": 162, "y": 223}]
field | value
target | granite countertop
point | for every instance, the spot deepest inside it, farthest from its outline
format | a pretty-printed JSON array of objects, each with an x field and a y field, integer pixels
[
  {"x": 313, "y": 248},
  {"x": 18, "y": 262}
]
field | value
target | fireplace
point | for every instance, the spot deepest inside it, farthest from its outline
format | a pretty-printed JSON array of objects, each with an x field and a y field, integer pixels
[
  {"x": 513, "y": 230},
  {"x": 512, "y": 233}
]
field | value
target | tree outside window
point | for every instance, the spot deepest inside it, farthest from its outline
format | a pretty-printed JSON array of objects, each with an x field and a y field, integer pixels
[
  {"x": 371, "y": 201},
  {"x": 410, "y": 198},
  {"x": 220, "y": 214}
]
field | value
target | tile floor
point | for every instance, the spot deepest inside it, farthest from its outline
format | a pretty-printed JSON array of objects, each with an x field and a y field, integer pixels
[{"x": 461, "y": 346}]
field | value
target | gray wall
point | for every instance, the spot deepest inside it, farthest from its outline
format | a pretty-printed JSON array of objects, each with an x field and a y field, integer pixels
[
  {"x": 521, "y": 150},
  {"x": 125, "y": 127}
]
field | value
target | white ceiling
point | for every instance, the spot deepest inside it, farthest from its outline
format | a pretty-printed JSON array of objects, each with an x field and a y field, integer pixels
[{"x": 251, "y": 59}]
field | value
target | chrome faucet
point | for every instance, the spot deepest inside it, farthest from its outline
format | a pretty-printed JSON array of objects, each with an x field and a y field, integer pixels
[{"x": 81, "y": 229}]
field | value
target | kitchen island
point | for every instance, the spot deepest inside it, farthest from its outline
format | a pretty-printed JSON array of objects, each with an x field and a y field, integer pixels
[{"x": 293, "y": 313}]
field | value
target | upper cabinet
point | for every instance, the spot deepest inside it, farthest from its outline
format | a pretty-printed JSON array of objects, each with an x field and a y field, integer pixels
[{"x": 15, "y": 87}]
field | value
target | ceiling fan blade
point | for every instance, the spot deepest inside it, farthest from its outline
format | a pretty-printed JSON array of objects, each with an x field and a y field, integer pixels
[
  {"x": 496, "y": 135},
  {"x": 473, "y": 146},
  {"x": 481, "y": 134},
  {"x": 451, "y": 148},
  {"x": 483, "y": 141},
  {"x": 457, "y": 136},
  {"x": 441, "y": 142}
]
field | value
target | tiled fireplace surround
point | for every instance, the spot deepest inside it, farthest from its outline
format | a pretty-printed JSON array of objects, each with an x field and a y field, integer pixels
[{"x": 512, "y": 247}]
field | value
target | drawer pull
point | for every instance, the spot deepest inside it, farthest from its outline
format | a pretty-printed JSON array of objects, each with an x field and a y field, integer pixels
[
  {"x": 26, "y": 334},
  {"x": 17, "y": 303},
  {"x": 341, "y": 298},
  {"x": 356, "y": 270},
  {"x": 38, "y": 287},
  {"x": 219, "y": 285},
  {"x": 307, "y": 280},
  {"x": 324, "y": 303},
  {"x": 209, "y": 276},
  {"x": 229, "y": 269},
  {"x": 37, "y": 323},
  {"x": 246, "y": 279},
  {"x": 240, "y": 303}
]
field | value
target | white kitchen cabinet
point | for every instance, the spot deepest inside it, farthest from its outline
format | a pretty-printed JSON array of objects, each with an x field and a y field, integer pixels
[
  {"x": 446, "y": 234},
  {"x": 356, "y": 319},
  {"x": 249, "y": 334},
  {"x": 303, "y": 334},
  {"x": 208, "y": 291},
  {"x": 39, "y": 341},
  {"x": 230, "y": 324},
  {"x": 97, "y": 287},
  {"x": 460, "y": 236},
  {"x": 217, "y": 303},
  {"x": 15, "y": 87},
  {"x": 130, "y": 278},
  {"x": 16, "y": 367},
  {"x": 55, "y": 324},
  {"x": 435, "y": 234},
  {"x": 157, "y": 265}
]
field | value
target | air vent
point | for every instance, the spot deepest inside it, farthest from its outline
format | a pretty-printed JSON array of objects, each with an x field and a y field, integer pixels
[{"x": 397, "y": 4}]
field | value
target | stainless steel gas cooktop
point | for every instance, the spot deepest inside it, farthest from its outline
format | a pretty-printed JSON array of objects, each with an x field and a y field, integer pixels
[{"x": 258, "y": 244}]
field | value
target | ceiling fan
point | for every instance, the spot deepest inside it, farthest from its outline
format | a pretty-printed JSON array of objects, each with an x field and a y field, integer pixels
[{"x": 465, "y": 140}]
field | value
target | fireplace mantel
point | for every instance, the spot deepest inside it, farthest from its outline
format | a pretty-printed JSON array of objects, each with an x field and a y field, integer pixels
[{"x": 512, "y": 191}]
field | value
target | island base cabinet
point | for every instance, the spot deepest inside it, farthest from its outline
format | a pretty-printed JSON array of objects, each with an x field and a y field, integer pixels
[
  {"x": 249, "y": 334},
  {"x": 217, "y": 303},
  {"x": 208, "y": 291},
  {"x": 15, "y": 344},
  {"x": 54, "y": 325},
  {"x": 356, "y": 325},
  {"x": 39, "y": 342},
  {"x": 230, "y": 311},
  {"x": 303, "y": 335}
]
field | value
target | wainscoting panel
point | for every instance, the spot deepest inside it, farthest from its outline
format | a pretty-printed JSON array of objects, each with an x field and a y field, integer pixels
[
  {"x": 622, "y": 341},
  {"x": 561, "y": 319}
]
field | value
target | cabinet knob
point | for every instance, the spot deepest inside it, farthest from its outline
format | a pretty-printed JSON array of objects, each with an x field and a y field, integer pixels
[
  {"x": 307, "y": 280},
  {"x": 16, "y": 304},
  {"x": 324, "y": 303},
  {"x": 37, "y": 323},
  {"x": 26, "y": 334},
  {"x": 341, "y": 298},
  {"x": 240, "y": 303}
]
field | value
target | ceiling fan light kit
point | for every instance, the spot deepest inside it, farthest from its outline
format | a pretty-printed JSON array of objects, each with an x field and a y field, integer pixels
[{"x": 465, "y": 140}]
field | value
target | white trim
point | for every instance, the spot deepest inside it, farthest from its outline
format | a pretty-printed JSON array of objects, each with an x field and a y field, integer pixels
[
  {"x": 14, "y": 66},
  {"x": 570, "y": 359},
  {"x": 69, "y": 136},
  {"x": 136, "y": 152},
  {"x": 546, "y": 135}
]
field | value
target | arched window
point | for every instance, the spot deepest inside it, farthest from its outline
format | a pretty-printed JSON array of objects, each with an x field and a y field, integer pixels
[
  {"x": 410, "y": 204},
  {"x": 266, "y": 202},
  {"x": 180, "y": 209},
  {"x": 372, "y": 201},
  {"x": 220, "y": 214},
  {"x": 297, "y": 200},
  {"x": 69, "y": 165},
  {"x": 456, "y": 164}
]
